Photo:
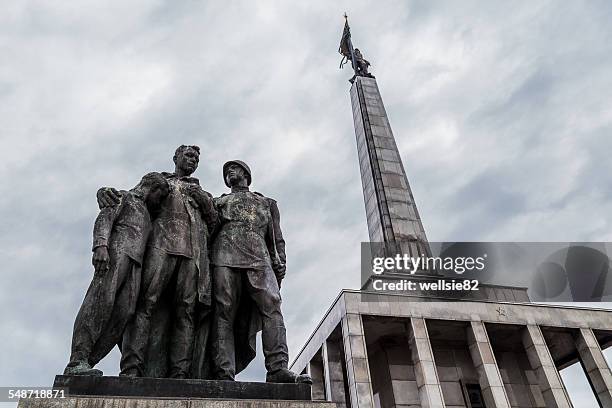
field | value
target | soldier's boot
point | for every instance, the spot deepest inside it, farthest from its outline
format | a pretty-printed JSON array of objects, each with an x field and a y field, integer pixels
[
  {"x": 130, "y": 372},
  {"x": 285, "y": 375},
  {"x": 178, "y": 375},
  {"x": 81, "y": 368}
]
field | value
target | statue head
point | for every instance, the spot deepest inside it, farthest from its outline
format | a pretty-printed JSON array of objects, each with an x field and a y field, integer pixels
[
  {"x": 186, "y": 159},
  {"x": 154, "y": 187},
  {"x": 358, "y": 53},
  {"x": 236, "y": 173}
]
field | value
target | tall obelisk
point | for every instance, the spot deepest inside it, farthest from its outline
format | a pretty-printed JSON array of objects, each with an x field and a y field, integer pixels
[{"x": 391, "y": 212}]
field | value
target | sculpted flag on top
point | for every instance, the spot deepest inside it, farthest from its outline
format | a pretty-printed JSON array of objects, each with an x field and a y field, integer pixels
[
  {"x": 359, "y": 63},
  {"x": 346, "y": 49},
  {"x": 152, "y": 292}
]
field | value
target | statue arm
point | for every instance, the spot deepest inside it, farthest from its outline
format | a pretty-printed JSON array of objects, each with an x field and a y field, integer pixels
[
  {"x": 277, "y": 266},
  {"x": 104, "y": 225},
  {"x": 276, "y": 243},
  {"x": 279, "y": 241},
  {"x": 216, "y": 225},
  {"x": 209, "y": 213}
]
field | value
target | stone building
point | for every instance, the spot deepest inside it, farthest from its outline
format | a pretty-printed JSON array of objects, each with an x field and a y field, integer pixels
[{"x": 375, "y": 349}]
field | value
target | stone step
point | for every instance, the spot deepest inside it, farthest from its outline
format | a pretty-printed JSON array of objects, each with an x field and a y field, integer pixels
[{"x": 110, "y": 402}]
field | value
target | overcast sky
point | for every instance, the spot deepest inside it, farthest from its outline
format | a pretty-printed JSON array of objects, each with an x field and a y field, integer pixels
[{"x": 500, "y": 109}]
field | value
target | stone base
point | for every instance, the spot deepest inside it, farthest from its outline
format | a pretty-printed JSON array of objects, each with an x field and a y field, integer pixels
[
  {"x": 111, "y": 402},
  {"x": 181, "y": 389}
]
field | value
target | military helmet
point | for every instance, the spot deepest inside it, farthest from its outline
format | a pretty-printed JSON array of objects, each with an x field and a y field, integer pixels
[{"x": 241, "y": 164}]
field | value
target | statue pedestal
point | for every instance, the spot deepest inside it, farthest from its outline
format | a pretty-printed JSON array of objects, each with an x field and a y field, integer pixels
[
  {"x": 172, "y": 388},
  {"x": 124, "y": 392}
]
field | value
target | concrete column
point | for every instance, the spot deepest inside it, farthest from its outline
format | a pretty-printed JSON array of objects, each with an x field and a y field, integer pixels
[
  {"x": 490, "y": 378},
  {"x": 595, "y": 366},
  {"x": 357, "y": 367},
  {"x": 430, "y": 391},
  {"x": 334, "y": 376},
  {"x": 542, "y": 363},
  {"x": 326, "y": 371},
  {"x": 315, "y": 370}
]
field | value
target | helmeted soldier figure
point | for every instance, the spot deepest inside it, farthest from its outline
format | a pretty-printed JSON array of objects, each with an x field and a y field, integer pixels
[{"x": 248, "y": 257}]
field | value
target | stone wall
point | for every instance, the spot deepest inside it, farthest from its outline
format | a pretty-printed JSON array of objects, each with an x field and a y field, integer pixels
[{"x": 81, "y": 402}]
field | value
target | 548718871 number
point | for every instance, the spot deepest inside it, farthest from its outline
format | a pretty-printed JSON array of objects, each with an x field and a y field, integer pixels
[{"x": 18, "y": 393}]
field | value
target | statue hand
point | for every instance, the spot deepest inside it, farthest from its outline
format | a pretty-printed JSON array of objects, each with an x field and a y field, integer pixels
[
  {"x": 199, "y": 195},
  {"x": 194, "y": 191},
  {"x": 108, "y": 197},
  {"x": 100, "y": 258},
  {"x": 279, "y": 271}
]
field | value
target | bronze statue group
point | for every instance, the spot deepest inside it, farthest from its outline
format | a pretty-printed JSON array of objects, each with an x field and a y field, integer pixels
[{"x": 183, "y": 282}]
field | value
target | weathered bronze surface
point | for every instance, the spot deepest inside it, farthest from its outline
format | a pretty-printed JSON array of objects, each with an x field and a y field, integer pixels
[
  {"x": 153, "y": 292},
  {"x": 248, "y": 258},
  {"x": 120, "y": 236}
]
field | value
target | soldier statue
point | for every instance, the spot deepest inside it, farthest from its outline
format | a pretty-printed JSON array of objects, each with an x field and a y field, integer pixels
[
  {"x": 176, "y": 261},
  {"x": 361, "y": 65},
  {"x": 248, "y": 258},
  {"x": 120, "y": 235}
]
